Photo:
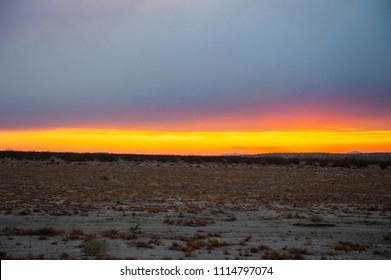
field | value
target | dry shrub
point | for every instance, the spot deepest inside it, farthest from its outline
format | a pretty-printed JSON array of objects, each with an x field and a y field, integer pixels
[
  {"x": 348, "y": 246},
  {"x": 46, "y": 231},
  {"x": 216, "y": 212},
  {"x": 230, "y": 219},
  {"x": 187, "y": 247},
  {"x": 75, "y": 234},
  {"x": 259, "y": 248},
  {"x": 91, "y": 236},
  {"x": 315, "y": 218},
  {"x": 112, "y": 233},
  {"x": 202, "y": 222},
  {"x": 150, "y": 244},
  {"x": 170, "y": 221},
  {"x": 155, "y": 239},
  {"x": 143, "y": 244},
  {"x": 274, "y": 255},
  {"x": 24, "y": 212},
  {"x": 175, "y": 246},
  {"x": 65, "y": 256},
  {"x": 244, "y": 241},
  {"x": 129, "y": 236},
  {"x": 116, "y": 234},
  {"x": 197, "y": 242},
  {"x": 298, "y": 251}
]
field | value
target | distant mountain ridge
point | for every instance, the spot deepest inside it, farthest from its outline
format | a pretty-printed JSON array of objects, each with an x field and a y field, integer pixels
[{"x": 349, "y": 155}]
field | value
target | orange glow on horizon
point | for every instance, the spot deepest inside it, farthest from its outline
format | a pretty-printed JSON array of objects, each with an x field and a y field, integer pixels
[
  {"x": 198, "y": 143},
  {"x": 289, "y": 119}
]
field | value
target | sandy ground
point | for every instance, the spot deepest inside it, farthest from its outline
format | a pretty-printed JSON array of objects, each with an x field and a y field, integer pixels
[{"x": 151, "y": 210}]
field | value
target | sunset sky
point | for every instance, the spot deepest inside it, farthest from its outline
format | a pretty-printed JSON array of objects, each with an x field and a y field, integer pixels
[{"x": 195, "y": 76}]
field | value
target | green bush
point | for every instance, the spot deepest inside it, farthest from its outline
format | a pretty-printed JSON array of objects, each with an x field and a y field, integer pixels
[
  {"x": 94, "y": 247},
  {"x": 135, "y": 229}
]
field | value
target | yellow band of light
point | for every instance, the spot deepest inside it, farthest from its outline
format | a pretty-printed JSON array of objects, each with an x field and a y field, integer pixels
[{"x": 202, "y": 143}]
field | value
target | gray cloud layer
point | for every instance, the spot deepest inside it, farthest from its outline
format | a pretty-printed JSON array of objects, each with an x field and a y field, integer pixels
[{"x": 67, "y": 61}]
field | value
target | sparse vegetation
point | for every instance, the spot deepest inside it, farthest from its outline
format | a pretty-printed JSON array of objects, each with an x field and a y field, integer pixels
[
  {"x": 76, "y": 234},
  {"x": 135, "y": 229},
  {"x": 25, "y": 212},
  {"x": 93, "y": 247},
  {"x": 259, "y": 248},
  {"x": 287, "y": 254},
  {"x": 112, "y": 234},
  {"x": 169, "y": 203},
  {"x": 46, "y": 231},
  {"x": 213, "y": 242},
  {"x": 244, "y": 241},
  {"x": 348, "y": 246},
  {"x": 315, "y": 218},
  {"x": 288, "y": 257},
  {"x": 143, "y": 244},
  {"x": 200, "y": 222},
  {"x": 155, "y": 239},
  {"x": 198, "y": 242},
  {"x": 298, "y": 251},
  {"x": 333, "y": 160},
  {"x": 65, "y": 256}
]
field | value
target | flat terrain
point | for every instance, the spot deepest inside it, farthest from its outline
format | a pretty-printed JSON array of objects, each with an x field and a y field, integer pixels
[{"x": 153, "y": 210}]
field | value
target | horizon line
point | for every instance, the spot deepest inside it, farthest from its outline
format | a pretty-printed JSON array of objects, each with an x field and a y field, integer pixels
[{"x": 352, "y": 153}]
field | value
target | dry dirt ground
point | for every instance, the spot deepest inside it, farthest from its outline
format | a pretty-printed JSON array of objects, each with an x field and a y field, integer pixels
[{"x": 151, "y": 210}]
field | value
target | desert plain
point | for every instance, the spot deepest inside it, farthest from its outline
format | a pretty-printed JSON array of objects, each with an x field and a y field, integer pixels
[{"x": 179, "y": 210}]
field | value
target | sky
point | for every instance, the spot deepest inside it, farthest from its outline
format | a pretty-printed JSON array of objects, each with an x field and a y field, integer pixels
[{"x": 195, "y": 76}]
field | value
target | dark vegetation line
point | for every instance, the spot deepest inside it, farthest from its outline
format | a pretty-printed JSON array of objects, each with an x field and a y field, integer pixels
[{"x": 383, "y": 160}]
